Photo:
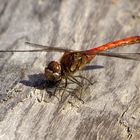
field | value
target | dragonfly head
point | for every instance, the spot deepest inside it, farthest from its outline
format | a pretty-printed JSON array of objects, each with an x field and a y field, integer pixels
[{"x": 53, "y": 72}]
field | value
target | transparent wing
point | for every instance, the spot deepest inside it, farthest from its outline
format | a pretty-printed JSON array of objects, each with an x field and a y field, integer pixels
[
  {"x": 45, "y": 49},
  {"x": 131, "y": 56},
  {"x": 49, "y": 48}
]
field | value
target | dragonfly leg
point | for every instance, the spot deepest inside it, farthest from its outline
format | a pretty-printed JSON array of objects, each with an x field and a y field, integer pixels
[
  {"x": 79, "y": 98},
  {"x": 65, "y": 88},
  {"x": 82, "y": 77},
  {"x": 53, "y": 93},
  {"x": 62, "y": 87},
  {"x": 74, "y": 80}
]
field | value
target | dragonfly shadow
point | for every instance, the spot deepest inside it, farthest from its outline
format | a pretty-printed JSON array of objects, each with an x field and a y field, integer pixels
[
  {"x": 92, "y": 67},
  {"x": 36, "y": 80}
]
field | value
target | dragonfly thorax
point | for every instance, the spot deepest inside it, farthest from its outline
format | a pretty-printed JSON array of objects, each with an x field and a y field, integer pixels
[{"x": 53, "y": 72}]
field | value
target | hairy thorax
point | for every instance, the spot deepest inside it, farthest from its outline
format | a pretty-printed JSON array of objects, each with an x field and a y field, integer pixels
[{"x": 71, "y": 62}]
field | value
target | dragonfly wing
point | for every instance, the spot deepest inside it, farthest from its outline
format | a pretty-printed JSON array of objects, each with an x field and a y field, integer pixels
[
  {"x": 43, "y": 49},
  {"x": 132, "y": 56},
  {"x": 49, "y": 48}
]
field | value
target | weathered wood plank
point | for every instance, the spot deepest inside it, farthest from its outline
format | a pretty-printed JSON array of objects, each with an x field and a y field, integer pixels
[{"x": 111, "y": 108}]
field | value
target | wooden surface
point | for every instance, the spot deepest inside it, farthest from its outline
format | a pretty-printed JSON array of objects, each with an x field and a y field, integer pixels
[{"x": 112, "y": 105}]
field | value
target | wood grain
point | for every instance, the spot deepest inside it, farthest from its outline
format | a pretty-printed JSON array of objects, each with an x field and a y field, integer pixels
[{"x": 112, "y": 104}]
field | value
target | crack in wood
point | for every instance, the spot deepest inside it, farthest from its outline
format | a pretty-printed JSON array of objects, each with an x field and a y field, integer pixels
[{"x": 125, "y": 125}]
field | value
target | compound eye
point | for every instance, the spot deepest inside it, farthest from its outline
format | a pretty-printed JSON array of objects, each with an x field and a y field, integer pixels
[
  {"x": 50, "y": 76},
  {"x": 54, "y": 67}
]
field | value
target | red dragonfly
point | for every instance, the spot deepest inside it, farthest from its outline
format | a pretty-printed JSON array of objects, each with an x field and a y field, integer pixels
[{"x": 72, "y": 61}]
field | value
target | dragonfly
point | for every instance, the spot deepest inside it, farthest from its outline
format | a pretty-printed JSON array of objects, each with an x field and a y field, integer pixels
[{"x": 73, "y": 60}]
